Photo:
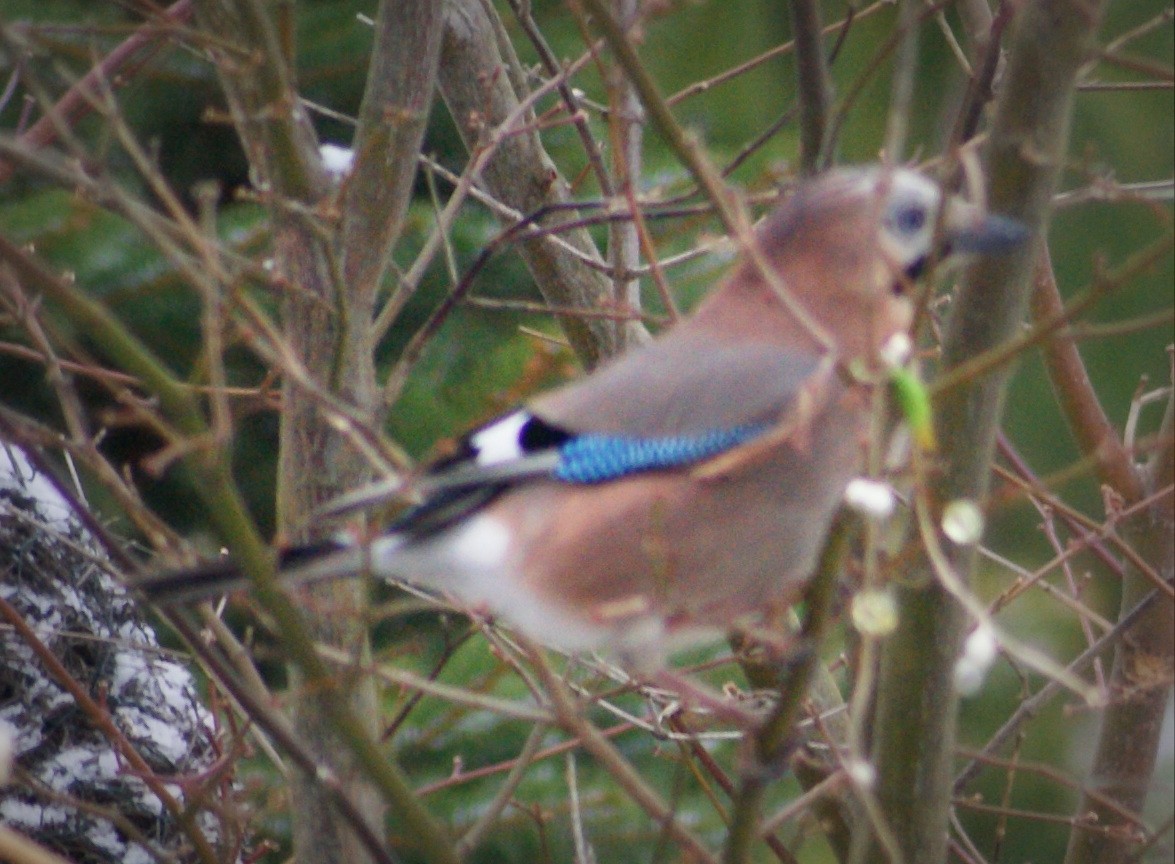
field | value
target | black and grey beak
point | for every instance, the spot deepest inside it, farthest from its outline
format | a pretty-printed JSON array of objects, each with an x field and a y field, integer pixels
[
  {"x": 969, "y": 230},
  {"x": 987, "y": 234}
]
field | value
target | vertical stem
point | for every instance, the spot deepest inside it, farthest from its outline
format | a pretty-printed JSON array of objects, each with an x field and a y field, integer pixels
[
  {"x": 327, "y": 329},
  {"x": 815, "y": 85},
  {"x": 915, "y": 717},
  {"x": 905, "y": 68},
  {"x": 1140, "y": 682},
  {"x": 627, "y": 126}
]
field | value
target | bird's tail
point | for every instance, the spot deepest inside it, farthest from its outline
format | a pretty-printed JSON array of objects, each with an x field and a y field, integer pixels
[{"x": 299, "y": 564}]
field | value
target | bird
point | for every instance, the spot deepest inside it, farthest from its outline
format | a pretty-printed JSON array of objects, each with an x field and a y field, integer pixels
[{"x": 687, "y": 485}]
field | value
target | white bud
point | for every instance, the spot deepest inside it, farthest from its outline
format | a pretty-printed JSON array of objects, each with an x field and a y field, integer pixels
[
  {"x": 897, "y": 350},
  {"x": 874, "y": 613},
  {"x": 979, "y": 652},
  {"x": 870, "y": 498},
  {"x": 336, "y": 160},
  {"x": 862, "y": 773},
  {"x": 962, "y": 522}
]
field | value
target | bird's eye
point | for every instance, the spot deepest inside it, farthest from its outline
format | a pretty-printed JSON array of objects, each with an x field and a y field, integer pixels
[{"x": 908, "y": 218}]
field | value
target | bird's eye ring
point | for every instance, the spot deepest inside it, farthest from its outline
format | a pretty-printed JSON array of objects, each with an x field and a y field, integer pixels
[{"x": 909, "y": 218}]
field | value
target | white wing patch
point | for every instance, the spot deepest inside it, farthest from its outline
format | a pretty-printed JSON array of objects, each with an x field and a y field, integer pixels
[{"x": 498, "y": 442}]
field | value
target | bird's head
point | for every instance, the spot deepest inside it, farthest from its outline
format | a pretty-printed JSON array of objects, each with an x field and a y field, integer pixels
[
  {"x": 913, "y": 219},
  {"x": 846, "y": 247}
]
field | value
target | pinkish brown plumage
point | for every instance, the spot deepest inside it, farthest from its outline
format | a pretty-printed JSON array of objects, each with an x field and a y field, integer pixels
[{"x": 722, "y": 448}]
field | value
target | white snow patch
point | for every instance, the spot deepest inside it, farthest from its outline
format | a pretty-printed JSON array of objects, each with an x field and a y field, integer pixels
[{"x": 19, "y": 474}]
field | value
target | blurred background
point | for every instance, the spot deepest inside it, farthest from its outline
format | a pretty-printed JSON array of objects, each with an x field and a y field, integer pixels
[{"x": 488, "y": 356}]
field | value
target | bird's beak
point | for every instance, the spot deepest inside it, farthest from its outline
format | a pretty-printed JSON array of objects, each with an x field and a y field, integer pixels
[{"x": 971, "y": 231}]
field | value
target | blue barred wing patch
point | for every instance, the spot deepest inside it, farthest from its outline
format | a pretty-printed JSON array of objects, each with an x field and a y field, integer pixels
[{"x": 596, "y": 458}]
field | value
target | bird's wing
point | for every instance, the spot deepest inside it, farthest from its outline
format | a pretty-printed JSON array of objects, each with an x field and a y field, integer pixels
[
  {"x": 672, "y": 404},
  {"x": 684, "y": 383}
]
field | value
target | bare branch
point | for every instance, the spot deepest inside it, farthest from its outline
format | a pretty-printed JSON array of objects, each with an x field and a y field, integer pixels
[
  {"x": 479, "y": 95},
  {"x": 401, "y": 80}
]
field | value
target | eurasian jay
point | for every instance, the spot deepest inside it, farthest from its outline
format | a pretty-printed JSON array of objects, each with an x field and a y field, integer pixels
[{"x": 687, "y": 485}]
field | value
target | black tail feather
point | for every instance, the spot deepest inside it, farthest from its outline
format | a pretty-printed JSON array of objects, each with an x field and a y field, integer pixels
[
  {"x": 223, "y": 576},
  {"x": 196, "y": 583}
]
